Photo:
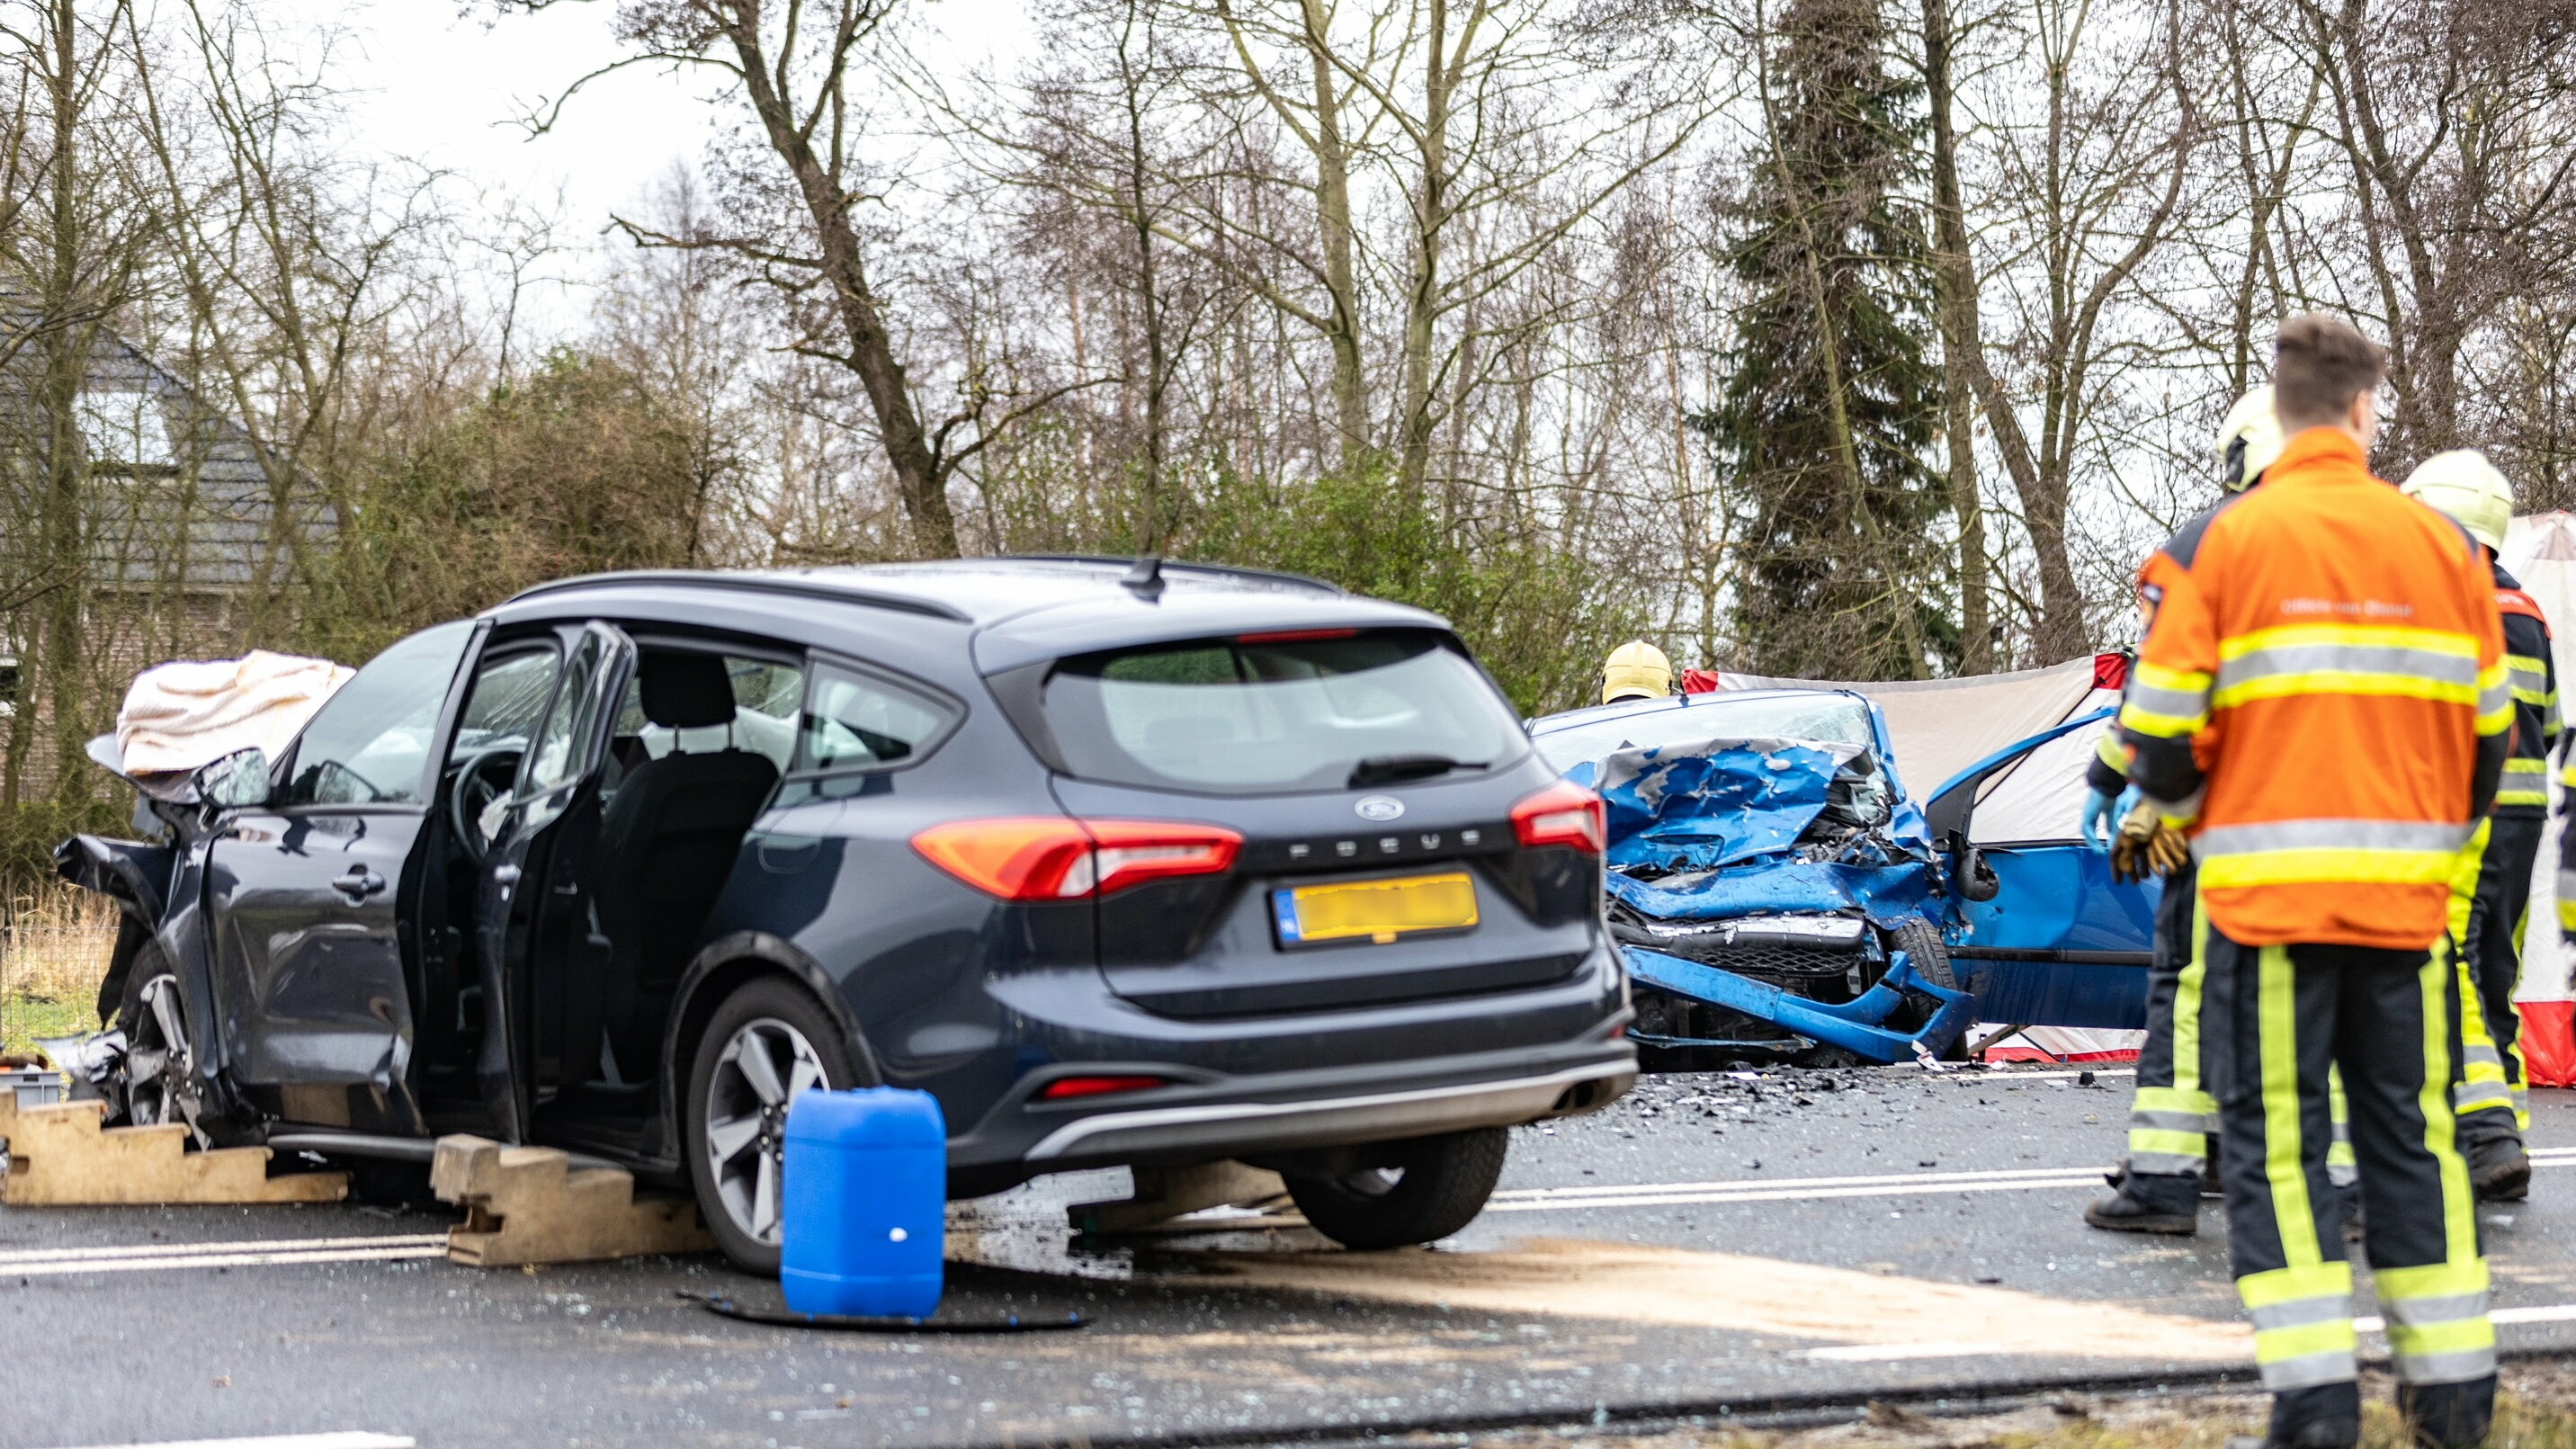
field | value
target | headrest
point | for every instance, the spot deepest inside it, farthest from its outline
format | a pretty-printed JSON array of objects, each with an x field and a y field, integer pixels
[{"x": 685, "y": 691}]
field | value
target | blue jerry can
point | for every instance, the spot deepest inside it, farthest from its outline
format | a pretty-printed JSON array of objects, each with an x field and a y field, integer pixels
[{"x": 866, "y": 1198}]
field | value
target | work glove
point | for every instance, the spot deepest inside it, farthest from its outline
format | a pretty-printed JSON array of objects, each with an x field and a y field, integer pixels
[
  {"x": 2147, "y": 845},
  {"x": 2100, "y": 810}
]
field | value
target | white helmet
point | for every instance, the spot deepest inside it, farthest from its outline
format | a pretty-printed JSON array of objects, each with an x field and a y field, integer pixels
[
  {"x": 1635, "y": 670},
  {"x": 2463, "y": 484},
  {"x": 2249, "y": 440}
]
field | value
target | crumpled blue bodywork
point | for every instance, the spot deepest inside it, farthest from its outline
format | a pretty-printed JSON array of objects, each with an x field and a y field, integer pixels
[
  {"x": 1724, "y": 817},
  {"x": 1714, "y": 803}
]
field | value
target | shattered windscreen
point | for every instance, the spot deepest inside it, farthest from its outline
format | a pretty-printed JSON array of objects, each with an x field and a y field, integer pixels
[{"x": 1833, "y": 719}]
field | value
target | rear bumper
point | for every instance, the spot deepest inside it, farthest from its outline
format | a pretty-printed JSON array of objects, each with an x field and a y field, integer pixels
[
  {"x": 1240, "y": 1116},
  {"x": 1235, "y": 1128}
]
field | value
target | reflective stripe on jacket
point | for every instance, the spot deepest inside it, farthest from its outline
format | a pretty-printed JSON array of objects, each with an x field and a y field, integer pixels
[
  {"x": 2534, "y": 678},
  {"x": 2333, "y": 650}
]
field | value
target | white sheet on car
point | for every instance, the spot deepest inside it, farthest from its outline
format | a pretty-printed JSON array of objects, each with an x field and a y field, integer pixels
[
  {"x": 2540, "y": 552},
  {"x": 183, "y": 715},
  {"x": 1941, "y": 726}
]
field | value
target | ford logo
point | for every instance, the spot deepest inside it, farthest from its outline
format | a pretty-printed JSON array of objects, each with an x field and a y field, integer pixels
[{"x": 1378, "y": 807}]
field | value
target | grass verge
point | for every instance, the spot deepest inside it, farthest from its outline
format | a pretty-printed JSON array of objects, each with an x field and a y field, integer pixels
[{"x": 54, "y": 946}]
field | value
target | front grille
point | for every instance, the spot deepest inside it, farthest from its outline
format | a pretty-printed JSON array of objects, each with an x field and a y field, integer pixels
[{"x": 1767, "y": 960}]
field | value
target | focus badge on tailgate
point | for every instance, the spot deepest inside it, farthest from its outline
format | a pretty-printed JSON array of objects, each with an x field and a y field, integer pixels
[{"x": 1374, "y": 910}]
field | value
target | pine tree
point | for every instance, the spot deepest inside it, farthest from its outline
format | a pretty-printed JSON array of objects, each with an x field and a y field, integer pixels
[{"x": 1833, "y": 398}]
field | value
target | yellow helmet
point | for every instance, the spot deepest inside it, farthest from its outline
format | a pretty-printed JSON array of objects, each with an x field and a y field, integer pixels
[
  {"x": 2463, "y": 484},
  {"x": 2249, "y": 440},
  {"x": 1635, "y": 670}
]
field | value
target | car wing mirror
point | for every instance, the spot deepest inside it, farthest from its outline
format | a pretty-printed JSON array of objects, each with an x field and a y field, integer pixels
[
  {"x": 1977, "y": 879},
  {"x": 236, "y": 780}
]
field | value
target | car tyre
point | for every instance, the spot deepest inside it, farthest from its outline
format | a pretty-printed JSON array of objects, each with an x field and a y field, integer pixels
[
  {"x": 803, "y": 1049},
  {"x": 1921, "y": 942},
  {"x": 1434, "y": 1187},
  {"x": 159, "y": 1085}
]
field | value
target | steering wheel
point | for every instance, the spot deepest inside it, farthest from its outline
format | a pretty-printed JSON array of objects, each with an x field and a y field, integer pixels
[{"x": 482, "y": 779}]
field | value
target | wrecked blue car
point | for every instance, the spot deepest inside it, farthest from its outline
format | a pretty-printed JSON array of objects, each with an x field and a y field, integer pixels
[{"x": 1781, "y": 896}]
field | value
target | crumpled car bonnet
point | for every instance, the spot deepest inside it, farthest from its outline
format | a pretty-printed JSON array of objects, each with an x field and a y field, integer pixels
[
  {"x": 1714, "y": 830},
  {"x": 1715, "y": 802}
]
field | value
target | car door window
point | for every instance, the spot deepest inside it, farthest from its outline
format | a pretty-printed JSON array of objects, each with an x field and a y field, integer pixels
[
  {"x": 559, "y": 758},
  {"x": 509, "y": 699},
  {"x": 856, "y": 721},
  {"x": 765, "y": 695},
  {"x": 369, "y": 744}
]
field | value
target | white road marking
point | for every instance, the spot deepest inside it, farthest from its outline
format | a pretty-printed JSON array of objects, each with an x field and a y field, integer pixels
[
  {"x": 1804, "y": 1194},
  {"x": 1801, "y": 1189},
  {"x": 345, "y": 1439},
  {"x": 1792, "y": 1189},
  {"x": 256, "y": 1253},
  {"x": 179, "y": 1250}
]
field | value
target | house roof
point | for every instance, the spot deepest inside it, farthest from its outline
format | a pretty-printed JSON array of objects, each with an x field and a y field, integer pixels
[{"x": 180, "y": 499}]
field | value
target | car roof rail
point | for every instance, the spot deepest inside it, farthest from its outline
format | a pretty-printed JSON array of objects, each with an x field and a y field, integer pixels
[
  {"x": 754, "y": 582},
  {"x": 1269, "y": 576}
]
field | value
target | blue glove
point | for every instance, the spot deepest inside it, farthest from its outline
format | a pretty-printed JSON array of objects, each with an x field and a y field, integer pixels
[{"x": 2102, "y": 815}]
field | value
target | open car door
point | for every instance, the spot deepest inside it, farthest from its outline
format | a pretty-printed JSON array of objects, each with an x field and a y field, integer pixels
[
  {"x": 2047, "y": 937},
  {"x": 305, "y": 891},
  {"x": 561, "y": 769}
]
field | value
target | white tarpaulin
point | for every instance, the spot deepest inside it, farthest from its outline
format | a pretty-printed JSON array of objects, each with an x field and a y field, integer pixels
[
  {"x": 1942, "y": 726},
  {"x": 180, "y": 716},
  {"x": 2540, "y": 552}
]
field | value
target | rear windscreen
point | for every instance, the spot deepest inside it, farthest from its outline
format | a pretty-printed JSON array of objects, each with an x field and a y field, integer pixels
[{"x": 1280, "y": 714}]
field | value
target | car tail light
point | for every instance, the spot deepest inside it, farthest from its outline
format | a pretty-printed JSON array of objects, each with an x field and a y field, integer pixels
[
  {"x": 1022, "y": 858},
  {"x": 1562, "y": 814},
  {"x": 1131, "y": 852},
  {"x": 1063, "y": 1088},
  {"x": 1053, "y": 857}
]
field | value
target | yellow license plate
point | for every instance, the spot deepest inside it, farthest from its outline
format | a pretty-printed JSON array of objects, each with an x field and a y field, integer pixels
[{"x": 1374, "y": 910}]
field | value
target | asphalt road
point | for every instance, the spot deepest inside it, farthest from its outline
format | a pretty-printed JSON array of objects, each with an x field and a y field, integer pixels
[{"x": 1711, "y": 1240}]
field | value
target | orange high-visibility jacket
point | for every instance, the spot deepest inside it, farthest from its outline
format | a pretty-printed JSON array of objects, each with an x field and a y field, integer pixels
[{"x": 2338, "y": 644}]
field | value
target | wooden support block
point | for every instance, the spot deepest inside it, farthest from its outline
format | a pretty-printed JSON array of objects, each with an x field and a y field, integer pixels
[
  {"x": 59, "y": 1156},
  {"x": 531, "y": 1205},
  {"x": 1168, "y": 1192}
]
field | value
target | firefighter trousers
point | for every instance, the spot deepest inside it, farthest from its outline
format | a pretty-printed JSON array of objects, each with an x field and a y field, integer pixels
[
  {"x": 2280, "y": 1017},
  {"x": 2172, "y": 1116},
  {"x": 2490, "y": 904},
  {"x": 2173, "y": 1119}
]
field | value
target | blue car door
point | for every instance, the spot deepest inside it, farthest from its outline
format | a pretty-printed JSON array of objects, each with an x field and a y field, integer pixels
[{"x": 2047, "y": 938}]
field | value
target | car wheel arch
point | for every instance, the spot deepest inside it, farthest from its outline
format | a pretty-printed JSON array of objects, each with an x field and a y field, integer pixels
[{"x": 717, "y": 971}]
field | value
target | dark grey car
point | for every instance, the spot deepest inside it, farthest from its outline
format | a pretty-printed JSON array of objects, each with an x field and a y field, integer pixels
[{"x": 1161, "y": 865}]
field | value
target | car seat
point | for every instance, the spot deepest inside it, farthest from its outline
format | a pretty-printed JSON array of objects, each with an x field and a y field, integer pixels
[{"x": 666, "y": 844}]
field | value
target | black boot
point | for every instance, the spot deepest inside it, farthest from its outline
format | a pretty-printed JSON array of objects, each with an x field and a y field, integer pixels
[
  {"x": 2498, "y": 1167},
  {"x": 2150, "y": 1203},
  {"x": 2448, "y": 1416},
  {"x": 2323, "y": 1416}
]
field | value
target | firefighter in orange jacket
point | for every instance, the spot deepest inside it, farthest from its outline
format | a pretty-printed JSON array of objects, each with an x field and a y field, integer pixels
[{"x": 2334, "y": 647}]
